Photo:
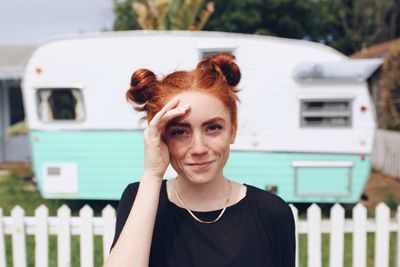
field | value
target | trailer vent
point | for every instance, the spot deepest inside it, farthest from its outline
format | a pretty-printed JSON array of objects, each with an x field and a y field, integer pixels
[
  {"x": 53, "y": 171},
  {"x": 332, "y": 113}
]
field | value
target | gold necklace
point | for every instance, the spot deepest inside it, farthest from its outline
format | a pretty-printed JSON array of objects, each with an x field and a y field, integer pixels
[{"x": 194, "y": 216}]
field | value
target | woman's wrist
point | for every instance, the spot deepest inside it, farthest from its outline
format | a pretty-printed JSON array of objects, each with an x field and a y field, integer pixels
[{"x": 151, "y": 179}]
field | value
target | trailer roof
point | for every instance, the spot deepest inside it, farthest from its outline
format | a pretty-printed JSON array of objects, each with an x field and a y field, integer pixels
[
  {"x": 13, "y": 60},
  {"x": 356, "y": 70},
  {"x": 186, "y": 33}
]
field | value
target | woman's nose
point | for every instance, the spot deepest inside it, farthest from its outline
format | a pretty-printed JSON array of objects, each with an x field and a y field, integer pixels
[{"x": 198, "y": 145}]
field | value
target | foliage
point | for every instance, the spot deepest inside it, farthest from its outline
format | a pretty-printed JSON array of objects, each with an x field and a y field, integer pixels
[
  {"x": 284, "y": 18},
  {"x": 125, "y": 17},
  {"x": 350, "y": 25},
  {"x": 391, "y": 201},
  {"x": 390, "y": 101},
  {"x": 347, "y": 25},
  {"x": 162, "y": 14},
  {"x": 18, "y": 128}
]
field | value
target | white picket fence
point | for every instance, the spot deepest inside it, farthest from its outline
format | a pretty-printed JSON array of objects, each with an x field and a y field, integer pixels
[
  {"x": 386, "y": 152},
  {"x": 87, "y": 226}
]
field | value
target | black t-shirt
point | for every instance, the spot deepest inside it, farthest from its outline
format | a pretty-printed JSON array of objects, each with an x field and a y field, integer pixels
[{"x": 257, "y": 231}]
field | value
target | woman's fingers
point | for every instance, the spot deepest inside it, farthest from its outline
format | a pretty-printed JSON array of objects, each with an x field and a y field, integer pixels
[
  {"x": 167, "y": 113},
  {"x": 170, "y": 105},
  {"x": 171, "y": 114}
]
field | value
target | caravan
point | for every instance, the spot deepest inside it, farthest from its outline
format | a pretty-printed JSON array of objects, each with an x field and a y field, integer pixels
[{"x": 306, "y": 119}]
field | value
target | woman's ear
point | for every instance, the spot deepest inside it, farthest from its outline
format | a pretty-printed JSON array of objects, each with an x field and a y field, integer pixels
[{"x": 233, "y": 134}]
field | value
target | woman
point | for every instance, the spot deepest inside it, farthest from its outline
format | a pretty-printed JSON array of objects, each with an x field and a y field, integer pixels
[{"x": 200, "y": 218}]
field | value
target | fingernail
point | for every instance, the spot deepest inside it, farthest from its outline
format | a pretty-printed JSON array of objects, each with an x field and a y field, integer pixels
[
  {"x": 175, "y": 98},
  {"x": 185, "y": 107}
]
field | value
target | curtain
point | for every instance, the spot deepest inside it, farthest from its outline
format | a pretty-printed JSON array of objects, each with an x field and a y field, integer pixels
[
  {"x": 44, "y": 106},
  {"x": 79, "y": 111}
]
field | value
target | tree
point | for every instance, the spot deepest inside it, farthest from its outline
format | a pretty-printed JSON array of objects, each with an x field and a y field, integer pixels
[
  {"x": 347, "y": 25},
  {"x": 284, "y": 18},
  {"x": 390, "y": 100},
  {"x": 350, "y": 25},
  {"x": 125, "y": 17},
  {"x": 162, "y": 14}
]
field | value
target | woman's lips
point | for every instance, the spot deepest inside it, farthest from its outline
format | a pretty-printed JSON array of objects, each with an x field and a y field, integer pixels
[{"x": 200, "y": 165}]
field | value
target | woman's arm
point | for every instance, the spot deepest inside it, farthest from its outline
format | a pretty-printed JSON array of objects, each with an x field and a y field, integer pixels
[{"x": 134, "y": 243}]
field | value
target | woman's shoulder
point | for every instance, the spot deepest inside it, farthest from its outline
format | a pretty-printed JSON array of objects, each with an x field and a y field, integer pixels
[
  {"x": 268, "y": 201},
  {"x": 130, "y": 190},
  {"x": 132, "y": 187}
]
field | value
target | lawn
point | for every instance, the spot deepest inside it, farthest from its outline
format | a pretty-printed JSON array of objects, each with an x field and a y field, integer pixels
[{"x": 16, "y": 190}]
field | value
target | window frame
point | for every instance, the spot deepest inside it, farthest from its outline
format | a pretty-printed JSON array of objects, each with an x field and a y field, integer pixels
[{"x": 72, "y": 88}]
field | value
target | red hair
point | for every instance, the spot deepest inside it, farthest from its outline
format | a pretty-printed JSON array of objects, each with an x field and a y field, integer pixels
[{"x": 216, "y": 75}]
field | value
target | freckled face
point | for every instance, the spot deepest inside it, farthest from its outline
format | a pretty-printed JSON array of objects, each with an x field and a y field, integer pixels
[{"x": 199, "y": 141}]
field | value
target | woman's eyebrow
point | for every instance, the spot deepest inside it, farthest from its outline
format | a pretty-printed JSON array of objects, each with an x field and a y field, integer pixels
[
  {"x": 187, "y": 125},
  {"x": 178, "y": 124},
  {"x": 213, "y": 120}
]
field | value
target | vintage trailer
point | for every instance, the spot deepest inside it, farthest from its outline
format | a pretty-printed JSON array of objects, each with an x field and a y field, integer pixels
[{"x": 306, "y": 119}]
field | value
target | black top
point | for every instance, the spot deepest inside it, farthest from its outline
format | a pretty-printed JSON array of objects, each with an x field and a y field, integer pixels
[{"x": 257, "y": 231}]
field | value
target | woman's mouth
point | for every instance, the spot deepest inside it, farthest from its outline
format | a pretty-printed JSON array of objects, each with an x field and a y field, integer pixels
[{"x": 200, "y": 165}]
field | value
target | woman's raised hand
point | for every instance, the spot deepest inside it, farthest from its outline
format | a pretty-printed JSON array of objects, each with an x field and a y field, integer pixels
[{"x": 156, "y": 154}]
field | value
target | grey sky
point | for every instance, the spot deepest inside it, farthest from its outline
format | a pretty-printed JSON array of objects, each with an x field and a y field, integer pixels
[{"x": 34, "y": 21}]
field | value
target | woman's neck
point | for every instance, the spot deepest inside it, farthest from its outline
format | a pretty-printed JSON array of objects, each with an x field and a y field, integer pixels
[{"x": 209, "y": 196}]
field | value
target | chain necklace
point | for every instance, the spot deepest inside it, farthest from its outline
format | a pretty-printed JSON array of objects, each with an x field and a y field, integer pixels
[{"x": 194, "y": 216}]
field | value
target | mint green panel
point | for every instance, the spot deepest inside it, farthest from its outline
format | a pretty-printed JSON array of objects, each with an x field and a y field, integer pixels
[
  {"x": 329, "y": 185},
  {"x": 108, "y": 160},
  {"x": 323, "y": 181}
]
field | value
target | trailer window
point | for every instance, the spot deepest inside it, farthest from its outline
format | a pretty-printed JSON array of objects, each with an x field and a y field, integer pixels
[
  {"x": 209, "y": 52},
  {"x": 325, "y": 113},
  {"x": 61, "y": 104}
]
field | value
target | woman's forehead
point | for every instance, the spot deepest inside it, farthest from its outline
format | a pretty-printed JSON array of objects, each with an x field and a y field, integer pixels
[
  {"x": 198, "y": 99},
  {"x": 202, "y": 104}
]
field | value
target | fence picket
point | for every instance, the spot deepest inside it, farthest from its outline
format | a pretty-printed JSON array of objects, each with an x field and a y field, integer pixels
[
  {"x": 86, "y": 248},
  {"x": 108, "y": 214},
  {"x": 296, "y": 220},
  {"x": 386, "y": 152},
  {"x": 314, "y": 235},
  {"x": 2, "y": 243},
  {"x": 360, "y": 236},
  {"x": 64, "y": 237},
  {"x": 41, "y": 237},
  {"x": 398, "y": 237},
  {"x": 391, "y": 146},
  {"x": 18, "y": 237},
  {"x": 382, "y": 236},
  {"x": 336, "y": 240}
]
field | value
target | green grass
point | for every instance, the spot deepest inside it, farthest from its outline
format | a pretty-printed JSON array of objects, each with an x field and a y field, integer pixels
[
  {"x": 15, "y": 190},
  {"x": 348, "y": 258}
]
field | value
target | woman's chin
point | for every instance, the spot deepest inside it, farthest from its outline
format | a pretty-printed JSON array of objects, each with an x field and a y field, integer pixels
[{"x": 197, "y": 178}]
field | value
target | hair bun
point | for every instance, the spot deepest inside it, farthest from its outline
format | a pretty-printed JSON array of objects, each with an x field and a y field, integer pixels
[
  {"x": 231, "y": 71},
  {"x": 143, "y": 82}
]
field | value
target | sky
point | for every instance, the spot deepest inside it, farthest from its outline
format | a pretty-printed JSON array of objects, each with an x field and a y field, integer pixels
[{"x": 35, "y": 21}]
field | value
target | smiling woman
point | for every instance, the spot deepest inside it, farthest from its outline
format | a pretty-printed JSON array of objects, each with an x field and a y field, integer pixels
[{"x": 200, "y": 218}]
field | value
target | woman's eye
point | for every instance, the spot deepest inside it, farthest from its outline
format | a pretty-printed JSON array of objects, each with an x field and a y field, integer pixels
[
  {"x": 178, "y": 132},
  {"x": 214, "y": 127}
]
